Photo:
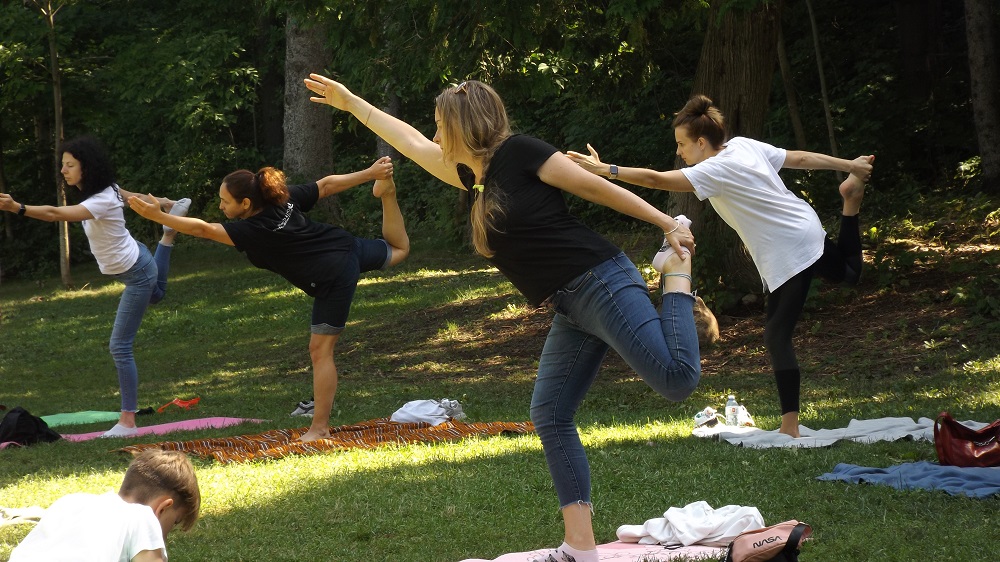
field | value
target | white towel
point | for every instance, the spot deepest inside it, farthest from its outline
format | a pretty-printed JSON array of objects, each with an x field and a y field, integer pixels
[
  {"x": 861, "y": 431},
  {"x": 695, "y": 523}
]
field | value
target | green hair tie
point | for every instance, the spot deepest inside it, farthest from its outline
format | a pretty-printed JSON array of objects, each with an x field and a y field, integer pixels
[{"x": 478, "y": 187}]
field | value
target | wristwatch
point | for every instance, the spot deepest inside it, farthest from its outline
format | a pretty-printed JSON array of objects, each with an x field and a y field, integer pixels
[
  {"x": 22, "y": 210},
  {"x": 613, "y": 172}
]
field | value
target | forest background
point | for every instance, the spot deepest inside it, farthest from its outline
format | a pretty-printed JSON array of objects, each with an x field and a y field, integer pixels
[{"x": 185, "y": 91}]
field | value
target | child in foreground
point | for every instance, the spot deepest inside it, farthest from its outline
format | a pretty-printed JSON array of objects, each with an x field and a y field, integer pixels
[{"x": 159, "y": 492}]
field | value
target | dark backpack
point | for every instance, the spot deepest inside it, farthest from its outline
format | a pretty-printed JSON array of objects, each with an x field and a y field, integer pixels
[{"x": 19, "y": 426}]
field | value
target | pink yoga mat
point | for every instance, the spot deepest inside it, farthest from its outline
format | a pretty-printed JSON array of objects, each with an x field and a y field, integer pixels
[
  {"x": 627, "y": 552},
  {"x": 164, "y": 428}
]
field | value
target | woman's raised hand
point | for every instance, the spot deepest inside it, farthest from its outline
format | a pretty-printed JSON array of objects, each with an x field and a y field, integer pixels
[
  {"x": 145, "y": 206},
  {"x": 329, "y": 91},
  {"x": 382, "y": 168},
  {"x": 592, "y": 162}
]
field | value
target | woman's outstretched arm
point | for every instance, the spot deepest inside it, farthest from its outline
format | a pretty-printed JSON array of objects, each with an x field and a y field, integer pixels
[
  {"x": 803, "y": 160},
  {"x": 48, "y": 213},
  {"x": 559, "y": 171},
  {"x": 401, "y": 135},
  {"x": 333, "y": 184},
  {"x": 673, "y": 180},
  {"x": 147, "y": 206}
]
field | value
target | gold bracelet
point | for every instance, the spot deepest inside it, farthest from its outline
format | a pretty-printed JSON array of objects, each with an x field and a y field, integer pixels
[
  {"x": 369, "y": 115},
  {"x": 678, "y": 225}
]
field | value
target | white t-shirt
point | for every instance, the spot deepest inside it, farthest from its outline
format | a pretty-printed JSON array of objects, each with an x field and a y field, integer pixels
[
  {"x": 781, "y": 231},
  {"x": 110, "y": 242},
  {"x": 92, "y": 528}
]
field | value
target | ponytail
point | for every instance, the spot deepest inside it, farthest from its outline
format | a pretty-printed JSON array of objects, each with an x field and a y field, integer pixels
[
  {"x": 702, "y": 119},
  {"x": 473, "y": 115},
  {"x": 266, "y": 187}
]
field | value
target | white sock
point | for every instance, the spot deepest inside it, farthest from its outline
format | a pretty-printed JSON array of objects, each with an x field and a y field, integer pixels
[
  {"x": 179, "y": 209},
  {"x": 566, "y": 553},
  {"x": 667, "y": 250},
  {"x": 120, "y": 430}
]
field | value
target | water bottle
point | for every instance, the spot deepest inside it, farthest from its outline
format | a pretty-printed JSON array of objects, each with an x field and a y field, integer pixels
[{"x": 732, "y": 409}]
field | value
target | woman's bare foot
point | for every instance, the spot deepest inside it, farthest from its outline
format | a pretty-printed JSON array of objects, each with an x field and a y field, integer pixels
[
  {"x": 790, "y": 424},
  {"x": 313, "y": 435},
  {"x": 676, "y": 274},
  {"x": 853, "y": 191},
  {"x": 383, "y": 188}
]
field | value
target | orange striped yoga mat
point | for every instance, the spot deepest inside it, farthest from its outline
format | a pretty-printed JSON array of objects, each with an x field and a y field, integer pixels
[{"x": 279, "y": 443}]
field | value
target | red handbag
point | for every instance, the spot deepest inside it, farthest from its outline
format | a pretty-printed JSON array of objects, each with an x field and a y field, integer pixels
[{"x": 958, "y": 445}]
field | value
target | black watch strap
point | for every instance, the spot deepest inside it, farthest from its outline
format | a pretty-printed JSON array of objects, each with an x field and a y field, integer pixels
[{"x": 22, "y": 210}]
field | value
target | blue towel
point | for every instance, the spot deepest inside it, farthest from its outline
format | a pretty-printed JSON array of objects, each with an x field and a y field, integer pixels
[{"x": 971, "y": 481}]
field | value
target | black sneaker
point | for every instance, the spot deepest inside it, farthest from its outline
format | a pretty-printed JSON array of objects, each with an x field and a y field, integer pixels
[{"x": 304, "y": 409}]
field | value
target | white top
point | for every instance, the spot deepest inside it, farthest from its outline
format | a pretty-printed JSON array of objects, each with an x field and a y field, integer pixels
[
  {"x": 781, "y": 231},
  {"x": 88, "y": 527},
  {"x": 110, "y": 241}
]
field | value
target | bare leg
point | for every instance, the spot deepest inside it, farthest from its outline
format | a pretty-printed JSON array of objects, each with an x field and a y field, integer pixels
[
  {"x": 321, "y": 348},
  {"x": 393, "y": 228},
  {"x": 853, "y": 191},
  {"x": 579, "y": 527},
  {"x": 127, "y": 419},
  {"x": 676, "y": 274}
]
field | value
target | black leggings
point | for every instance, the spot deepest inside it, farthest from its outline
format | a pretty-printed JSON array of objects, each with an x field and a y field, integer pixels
[{"x": 840, "y": 263}]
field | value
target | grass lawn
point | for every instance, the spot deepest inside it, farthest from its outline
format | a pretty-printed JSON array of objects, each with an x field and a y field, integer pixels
[{"x": 907, "y": 342}]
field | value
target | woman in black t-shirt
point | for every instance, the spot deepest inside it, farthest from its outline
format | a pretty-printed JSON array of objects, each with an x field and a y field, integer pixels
[
  {"x": 324, "y": 261},
  {"x": 521, "y": 223}
]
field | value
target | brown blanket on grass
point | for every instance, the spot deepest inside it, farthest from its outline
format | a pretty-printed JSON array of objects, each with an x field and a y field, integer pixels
[{"x": 369, "y": 434}]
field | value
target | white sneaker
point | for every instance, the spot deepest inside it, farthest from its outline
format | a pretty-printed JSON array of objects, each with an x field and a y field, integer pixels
[
  {"x": 120, "y": 430},
  {"x": 180, "y": 209},
  {"x": 667, "y": 250},
  {"x": 304, "y": 409}
]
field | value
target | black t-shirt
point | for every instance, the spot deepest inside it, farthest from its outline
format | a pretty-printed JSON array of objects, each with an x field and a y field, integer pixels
[
  {"x": 283, "y": 240},
  {"x": 539, "y": 246}
]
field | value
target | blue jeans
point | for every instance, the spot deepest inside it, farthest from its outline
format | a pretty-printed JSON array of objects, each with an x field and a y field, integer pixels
[
  {"x": 145, "y": 284},
  {"x": 607, "y": 306}
]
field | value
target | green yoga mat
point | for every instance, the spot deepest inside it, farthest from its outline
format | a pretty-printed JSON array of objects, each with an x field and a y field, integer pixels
[{"x": 73, "y": 418}]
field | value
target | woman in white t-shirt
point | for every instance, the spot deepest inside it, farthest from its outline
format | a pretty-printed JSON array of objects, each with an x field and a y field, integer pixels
[
  {"x": 739, "y": 177},
  {"x": 86, "y": 166}
]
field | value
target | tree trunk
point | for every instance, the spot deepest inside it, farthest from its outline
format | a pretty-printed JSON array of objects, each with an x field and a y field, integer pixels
[
  {"x": 393, "y": 106},
  {"x": 8, "y": 228},
  {"x": 822, "y": 87},
  {"x": 735, "y": 70},
  {"x": 308, "y": 127},
  {"x": 792, "y": 100},
  {"x": 980, "y": 29},
  {"x": 50, "y": 18},
  {"x": 269, "y": 109}
]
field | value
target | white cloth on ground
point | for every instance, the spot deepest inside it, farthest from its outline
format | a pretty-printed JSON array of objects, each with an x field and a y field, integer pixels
[
  {"x": 695, "y": 523},
  {"x": 434, "y": 412},
  {"x": 861, "y": 431}
]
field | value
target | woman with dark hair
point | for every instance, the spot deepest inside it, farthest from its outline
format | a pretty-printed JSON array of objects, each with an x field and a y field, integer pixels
[
  {"x": 86, "y": 166},
  {"x": 739, "y": 177},
  {"x": 324, "y": 261},
  {"x": 522, "y": 225}
]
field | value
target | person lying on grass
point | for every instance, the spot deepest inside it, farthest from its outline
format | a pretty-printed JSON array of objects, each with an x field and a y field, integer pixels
[
  {"x": 158, "y": 493},
  {"x": 522, "y": 224},
  {"x": 324, "y": 261}
]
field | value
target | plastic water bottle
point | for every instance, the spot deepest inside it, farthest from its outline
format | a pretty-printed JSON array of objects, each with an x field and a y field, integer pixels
[{"x": 732, "y": 410}]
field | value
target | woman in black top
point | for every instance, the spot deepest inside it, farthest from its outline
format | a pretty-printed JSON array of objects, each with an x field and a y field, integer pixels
[
  {"x": 324, "y": 261},
  {"x": 521, "y": 223}
]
